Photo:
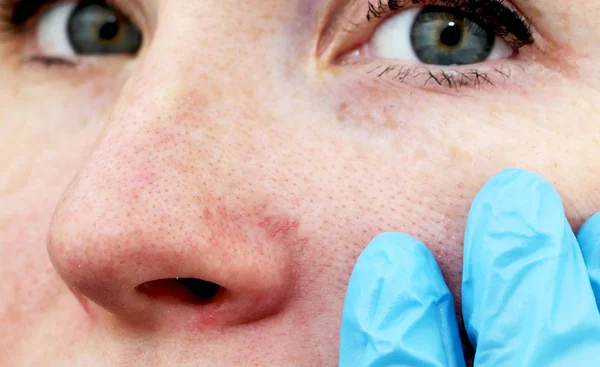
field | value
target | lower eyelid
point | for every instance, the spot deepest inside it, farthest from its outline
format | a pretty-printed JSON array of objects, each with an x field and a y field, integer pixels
[
  {"x": 51, "y": 61},
  {"x": 447, "y": 80}
]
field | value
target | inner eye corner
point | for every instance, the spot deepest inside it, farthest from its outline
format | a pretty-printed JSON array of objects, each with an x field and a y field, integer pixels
[{"x": 182, "y": 290}]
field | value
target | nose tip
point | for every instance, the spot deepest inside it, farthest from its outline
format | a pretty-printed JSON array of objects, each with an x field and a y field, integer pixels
[{"x": 218, "y": 278}]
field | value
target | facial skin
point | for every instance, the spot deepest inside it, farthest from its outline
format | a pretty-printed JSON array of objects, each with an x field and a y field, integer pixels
[{"x": 237, "y": 150}]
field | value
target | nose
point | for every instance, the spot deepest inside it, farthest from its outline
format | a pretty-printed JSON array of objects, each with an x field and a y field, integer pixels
[
  {"x": 166, "y": 221},
  {"x": 210, "y": 266}
]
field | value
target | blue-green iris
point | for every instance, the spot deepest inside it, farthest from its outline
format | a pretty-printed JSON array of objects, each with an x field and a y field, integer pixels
[
  {"x": 445, "y": 36},
  {"x": 94, "y": 28}
]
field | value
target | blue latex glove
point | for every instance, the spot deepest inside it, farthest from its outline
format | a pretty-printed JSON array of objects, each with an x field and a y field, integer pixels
[{"x": 528, "y": 299}]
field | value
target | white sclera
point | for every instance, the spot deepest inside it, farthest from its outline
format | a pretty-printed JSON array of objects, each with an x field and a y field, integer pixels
[
  {"x": 501, "y": 50},
  {"x": 52, "y": 33},
  {"x": 392, "y": 40}
]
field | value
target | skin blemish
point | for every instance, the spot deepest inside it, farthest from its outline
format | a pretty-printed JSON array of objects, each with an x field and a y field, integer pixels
[
  {"x": 17, "y": 174},
  {"x": 274, "y": 226},
  {"x": 342, "y": 112},
  {"x": 237, "y": 224},
  {"x": 165, "y": 136}
]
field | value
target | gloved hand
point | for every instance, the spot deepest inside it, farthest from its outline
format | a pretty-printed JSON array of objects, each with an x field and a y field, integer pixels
[{"x": 528, "y": 299}]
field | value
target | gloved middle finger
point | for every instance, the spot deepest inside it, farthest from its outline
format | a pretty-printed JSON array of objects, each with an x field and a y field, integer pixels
[{"x": 525, "y": 286}]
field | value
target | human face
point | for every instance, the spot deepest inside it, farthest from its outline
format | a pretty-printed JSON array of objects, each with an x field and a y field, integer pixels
[{"x": 244, "y": 145}]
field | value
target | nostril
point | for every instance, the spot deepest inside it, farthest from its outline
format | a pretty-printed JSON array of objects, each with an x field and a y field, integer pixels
[
  {"x": 202, "y": 290},
  {"x": 190, "y": 290}
]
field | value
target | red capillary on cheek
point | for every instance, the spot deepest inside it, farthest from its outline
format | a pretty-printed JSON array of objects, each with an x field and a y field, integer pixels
[
  {"x": 275, "y": 228},
  {"x": 278, "y": 226}
]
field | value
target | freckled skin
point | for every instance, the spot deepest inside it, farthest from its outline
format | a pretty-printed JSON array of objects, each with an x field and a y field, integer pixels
[{"x": 223, "y": 154}]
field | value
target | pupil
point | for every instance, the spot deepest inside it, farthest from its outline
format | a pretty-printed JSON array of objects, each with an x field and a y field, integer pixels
[
  {"x": 451, "y": 35},
  {"x": 110, "y": 29}
]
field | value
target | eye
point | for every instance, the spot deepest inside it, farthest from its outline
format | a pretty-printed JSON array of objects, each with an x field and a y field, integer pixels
[
  {"x": 69, "y": 29},
  {"x": 437, "y": 35}
]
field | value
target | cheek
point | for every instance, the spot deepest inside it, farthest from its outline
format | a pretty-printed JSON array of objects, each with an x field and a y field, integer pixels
[
  {"x": 389, "y": 165},
  {"x": 42, "y": 150},
  {"x": 31, "y": 287},
  {"x": 51, "y": 139},
  {"x": 360, "y": 178}
]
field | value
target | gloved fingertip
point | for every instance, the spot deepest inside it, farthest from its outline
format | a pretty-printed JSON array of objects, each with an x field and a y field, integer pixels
[
  {"x": 395, "y": 257},
  {"x": 517, "y": 191},
  {"x": 397, "y": 302},
  {"x": 397, "y": 249},
  {"x": 588, "y": 238},
  {"x": 514, "y": 202},
  {"x": 589, "y": 233}
]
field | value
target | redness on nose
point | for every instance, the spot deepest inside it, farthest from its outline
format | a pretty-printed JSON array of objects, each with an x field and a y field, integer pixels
[
  {"x": 186, "y": 290},
  {"x": 233, "y": 225}
]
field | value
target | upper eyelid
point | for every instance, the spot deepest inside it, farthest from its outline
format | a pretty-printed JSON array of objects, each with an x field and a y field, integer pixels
[{"x": 346, "y": 16}]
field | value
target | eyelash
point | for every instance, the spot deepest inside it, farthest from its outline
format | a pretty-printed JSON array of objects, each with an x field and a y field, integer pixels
[
  {"x": 505, "y": 22},
  {"x": 453, "y": 78}
]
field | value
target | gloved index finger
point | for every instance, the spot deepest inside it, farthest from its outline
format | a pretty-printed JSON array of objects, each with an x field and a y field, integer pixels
[
  {"x": 398, "y": 310},
  {"x": 527, "y": 300}
]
